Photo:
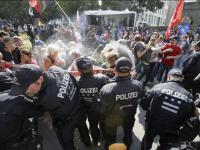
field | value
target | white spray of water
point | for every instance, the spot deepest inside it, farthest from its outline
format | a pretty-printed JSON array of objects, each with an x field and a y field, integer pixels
[
  {"x": 58, "y": 41},
  {"x": 120, "y": 49}
]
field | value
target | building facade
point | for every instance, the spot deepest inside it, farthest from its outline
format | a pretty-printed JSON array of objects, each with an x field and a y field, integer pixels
[
  {"x": 192, "y": 11},
  {"x": 172, "y": 6},
  {"x": 157, "y": 18}
]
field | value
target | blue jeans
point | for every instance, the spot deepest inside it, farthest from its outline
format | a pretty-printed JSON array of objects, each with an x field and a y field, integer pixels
[{"x": 163, "y": 69}]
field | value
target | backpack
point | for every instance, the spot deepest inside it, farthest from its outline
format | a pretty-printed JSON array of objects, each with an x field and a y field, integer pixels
[{"x": 134, "y": 51}]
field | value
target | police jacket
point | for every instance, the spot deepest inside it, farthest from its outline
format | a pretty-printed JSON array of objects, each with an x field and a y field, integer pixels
[
  {"x": 190, "y": 70},
  {"x": 14, "y": 114},
  {"x": 59, "y": 93},
  {"x": 120, "y": 97},
  {"x": 6, "y": 80},
  {"x": 168, "y": 106},
  {"x": 90, "y": 87}
]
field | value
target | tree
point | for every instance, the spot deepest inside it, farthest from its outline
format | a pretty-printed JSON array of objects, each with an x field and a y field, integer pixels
[
  {"x": 135, "y": 5},
  {"x": 12, "y": 9},
  {"x": 19, "y": 8}
]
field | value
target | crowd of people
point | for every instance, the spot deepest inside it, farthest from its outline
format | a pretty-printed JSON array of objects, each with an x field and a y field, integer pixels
[{"x": 102, "y": 78}]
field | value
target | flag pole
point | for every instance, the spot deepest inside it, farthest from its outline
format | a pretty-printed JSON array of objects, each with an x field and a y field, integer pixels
[{"x": 64, "y": 13}]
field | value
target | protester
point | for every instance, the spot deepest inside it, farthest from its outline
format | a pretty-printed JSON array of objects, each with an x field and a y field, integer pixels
[
  {"x": 61, "y": 46},
  {"x": 26, "y": 57},
  {"x": 170, "y": 52},
  {"x": 138, "y": 46}
]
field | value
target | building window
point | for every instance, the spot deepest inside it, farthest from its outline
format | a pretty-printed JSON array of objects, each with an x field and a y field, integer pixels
[
  {"x": 149, "y": 19},
  {"x": 189, "y": 1}
]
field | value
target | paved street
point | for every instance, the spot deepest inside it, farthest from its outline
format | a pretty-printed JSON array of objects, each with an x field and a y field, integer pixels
[{"x": 51, "y": 143}]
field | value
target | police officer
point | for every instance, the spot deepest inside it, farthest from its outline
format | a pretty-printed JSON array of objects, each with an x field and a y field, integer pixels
[
  {"x": 90, "y": 86},
  {"x": 6, "y": 80},
  {"x": 16, "y": 131},
  {"x": 191, "y": 69},
  {"x": 191, "y": 72},
  {"x": 119, "y": 101},
  {"x": 56, "y": 91},
  {"x": 168, "y": 107}
]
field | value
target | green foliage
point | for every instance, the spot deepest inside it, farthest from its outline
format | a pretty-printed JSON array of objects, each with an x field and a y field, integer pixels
[
  {"x": 136, "y": 5},
  {"x": 14, "y": 9},
  {"x": 18, "y": 9}
]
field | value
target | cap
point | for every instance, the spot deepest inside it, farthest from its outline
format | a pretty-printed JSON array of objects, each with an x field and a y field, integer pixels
[
  {"x": 175, "y": 72},
  {"x": 25, "y": 75},
  {"x": 83, "y": 63},
  {"x": 39, "y": 43},
  {"x": 123, "y": 65}
]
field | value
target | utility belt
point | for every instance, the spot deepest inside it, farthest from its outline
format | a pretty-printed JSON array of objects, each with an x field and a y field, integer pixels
[{"x": 88, "y": 101}]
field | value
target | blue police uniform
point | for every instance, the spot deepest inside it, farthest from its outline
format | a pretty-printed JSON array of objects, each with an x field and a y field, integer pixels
[
  {"x": 119, "y": 101},
  {"x": 15, "y": 128},
  {"x": 6, "y": 80},
  {"x": 168, "y": 107},
  {"x": 89, "y": 86},
  {"x": 59, "y": 95},
  {"x": 89, "y": 92},
  {"x": 190, "y": 70}
]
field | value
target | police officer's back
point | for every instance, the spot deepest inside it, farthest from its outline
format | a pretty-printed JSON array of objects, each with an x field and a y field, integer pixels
[
  {"x": 191, "y": 69},
  {"x": 168, "y": 107},
  {"x": 57, "y": 91},
  {"x": 119, "y": 101},
  {"x": 90, "y": 85}
]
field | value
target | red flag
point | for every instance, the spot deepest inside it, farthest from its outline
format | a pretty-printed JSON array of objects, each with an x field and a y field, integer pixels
[
  {"x": 35, "y": 4},
  {"x": 176, "y": 18}
]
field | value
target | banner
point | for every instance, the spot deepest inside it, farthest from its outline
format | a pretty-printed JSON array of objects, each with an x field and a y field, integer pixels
[
  {"x": 36, "y": 10},
  {"x": 176, "y": 18}
]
